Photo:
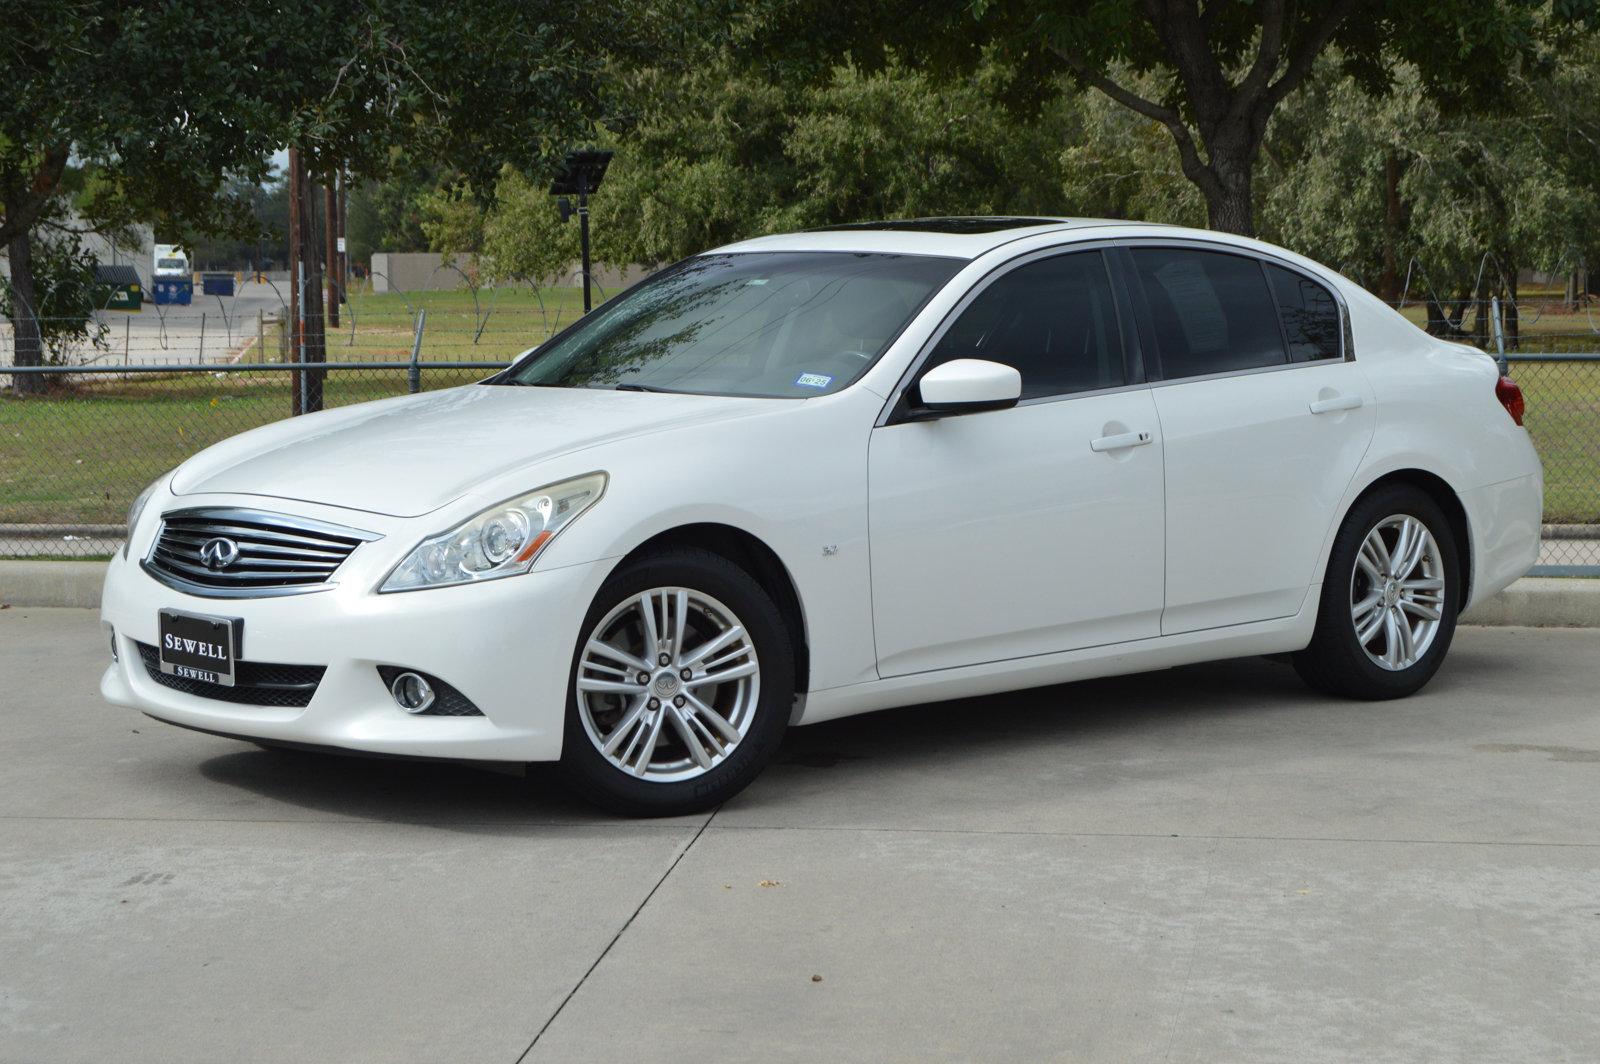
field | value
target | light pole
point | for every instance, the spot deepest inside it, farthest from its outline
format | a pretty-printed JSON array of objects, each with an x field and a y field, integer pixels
[{"x": 581, "y": 173}]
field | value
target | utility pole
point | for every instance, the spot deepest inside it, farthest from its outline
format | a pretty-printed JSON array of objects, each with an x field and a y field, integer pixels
[
  {"x": 344, "y": 253},
  {"x": 330, "y": 232},
  {"x": 293, "y": 314},
  {"x": 312, "y": 334}
]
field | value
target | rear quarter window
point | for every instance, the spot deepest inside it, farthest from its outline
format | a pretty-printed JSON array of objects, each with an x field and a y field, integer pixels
[{"x": 1309, "y": 313}]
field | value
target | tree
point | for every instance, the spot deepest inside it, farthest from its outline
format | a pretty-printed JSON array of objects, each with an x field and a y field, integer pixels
[
  {"x": 387, "y": 215},
  {"x": 1471, "y": 197},
  {"x": 712, "y": 154},
  {"x": 165, "y": 102},
  {"x": 1225, "y": 65},
  {"x": 95, "y": 85},
  {"x": 65, "y": 293},
  {"x": 267, "y": 240}
]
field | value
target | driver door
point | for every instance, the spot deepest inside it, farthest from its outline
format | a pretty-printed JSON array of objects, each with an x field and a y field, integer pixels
[{"x": 1029, "y": 530}]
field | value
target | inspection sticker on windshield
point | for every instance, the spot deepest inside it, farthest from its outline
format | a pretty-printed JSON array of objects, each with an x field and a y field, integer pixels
[{"x": 813, "y": 380}]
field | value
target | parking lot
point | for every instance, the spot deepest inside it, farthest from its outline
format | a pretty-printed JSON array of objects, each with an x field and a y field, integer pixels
[{"x": 1205, "y": 864}]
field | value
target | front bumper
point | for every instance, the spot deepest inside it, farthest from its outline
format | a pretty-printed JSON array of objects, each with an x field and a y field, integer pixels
[{"x": 505, "y": 644}]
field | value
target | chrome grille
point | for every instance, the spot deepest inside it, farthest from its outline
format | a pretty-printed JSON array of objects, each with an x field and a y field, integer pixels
[{"x": 218, "y": 553}]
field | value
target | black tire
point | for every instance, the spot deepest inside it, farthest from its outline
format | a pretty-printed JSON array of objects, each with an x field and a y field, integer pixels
[
  {"x": 606, "y": 785},
  {"x": 1335, "y": 661}
]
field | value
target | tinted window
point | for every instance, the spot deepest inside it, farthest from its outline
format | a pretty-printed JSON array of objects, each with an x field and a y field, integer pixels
[
  {"x": 780, "y": 324},
  {"x": 1212, "y": 312},
  {"x": 1310, "y": 315},
  {"x": 1053, "y": 320}
]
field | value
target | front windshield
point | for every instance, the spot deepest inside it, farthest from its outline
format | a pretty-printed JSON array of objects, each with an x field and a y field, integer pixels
[{"x": 789, "y": 324}]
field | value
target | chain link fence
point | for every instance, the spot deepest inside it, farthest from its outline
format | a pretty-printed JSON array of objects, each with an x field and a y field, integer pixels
[{"x": 145, "y": 391}]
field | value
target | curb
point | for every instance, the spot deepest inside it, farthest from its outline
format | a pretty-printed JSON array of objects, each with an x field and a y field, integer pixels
[
  {"x": 51, "y": 583},
  {"x": 1542, "y": 602},
  {"x": 1533, "y": 601}
]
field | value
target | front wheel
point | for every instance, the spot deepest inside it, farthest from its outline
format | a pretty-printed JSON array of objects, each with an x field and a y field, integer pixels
[
  {"x": 1389, "y": 599},
  {"x": 681, "y": 686}
]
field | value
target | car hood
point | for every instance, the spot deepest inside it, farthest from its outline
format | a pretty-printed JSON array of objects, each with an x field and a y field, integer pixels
[{"x": 407, "y": 456}]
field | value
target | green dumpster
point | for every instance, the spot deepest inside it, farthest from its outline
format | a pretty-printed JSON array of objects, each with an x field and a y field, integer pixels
[{"x": 119, "y": 288}]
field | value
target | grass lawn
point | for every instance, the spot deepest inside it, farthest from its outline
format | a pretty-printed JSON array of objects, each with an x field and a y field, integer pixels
[
  {"x": 1564, "y": 420},
  {"x": 499, "y": 324},
  {"x": 80, "y": 455},
  {"x": 1545, "y": 327}
]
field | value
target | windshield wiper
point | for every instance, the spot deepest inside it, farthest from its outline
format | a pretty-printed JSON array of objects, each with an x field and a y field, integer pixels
[{"x": 645, "y": 388}]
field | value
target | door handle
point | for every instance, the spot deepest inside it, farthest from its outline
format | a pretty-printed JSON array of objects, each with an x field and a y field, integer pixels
[
  {"x": 1119, "y": 442},
  {"x": 1338, "y": 402}
]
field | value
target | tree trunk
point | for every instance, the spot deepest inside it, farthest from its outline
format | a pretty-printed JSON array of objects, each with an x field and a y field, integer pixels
[
  {"x": 1393, "y": 222},
  {"x": 1228, "y": 209},
  {"x": 312, "y": 328},
  {"x": 25, "y": 332}
]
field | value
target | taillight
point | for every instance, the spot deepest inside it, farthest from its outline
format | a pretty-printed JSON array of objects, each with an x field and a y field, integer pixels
[{"x": 1510, "y": 396}]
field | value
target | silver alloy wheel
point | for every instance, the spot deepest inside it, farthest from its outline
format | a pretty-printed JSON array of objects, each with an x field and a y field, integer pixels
[
  {"x": 1397, "y": 592},
  {"x": 668, "y": 684}
]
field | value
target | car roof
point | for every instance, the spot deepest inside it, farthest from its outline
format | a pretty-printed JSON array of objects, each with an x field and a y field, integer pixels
[{"x": 964, "y": 237}]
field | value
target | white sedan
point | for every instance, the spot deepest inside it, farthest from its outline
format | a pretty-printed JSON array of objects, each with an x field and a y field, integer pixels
[{"x": 807, "y": 476}]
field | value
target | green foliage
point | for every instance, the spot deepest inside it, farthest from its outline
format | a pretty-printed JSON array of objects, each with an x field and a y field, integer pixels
[
  {"x": 1521, "y": 183},
  {"x": 265, "y": 240},
  {"x": 65, "y": 294},
  {"x": 893, "y": 144},
  {"x": 388, "y": 215},
  {"x": 1221, "y": 69},
  {"x": 714, "y": 155},
  {"x": 171, "y": 110},
  {"x": 1119, "y": 164},
  {"x": 701, "y": 164}
]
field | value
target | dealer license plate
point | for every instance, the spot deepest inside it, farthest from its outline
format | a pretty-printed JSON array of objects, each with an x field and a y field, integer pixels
[{"x": 196, "y": 646}]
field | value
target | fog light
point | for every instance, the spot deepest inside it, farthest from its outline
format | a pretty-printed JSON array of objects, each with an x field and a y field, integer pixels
[
  {"x": 111, "y": 633},
  {"x": 411, "y": 692}
]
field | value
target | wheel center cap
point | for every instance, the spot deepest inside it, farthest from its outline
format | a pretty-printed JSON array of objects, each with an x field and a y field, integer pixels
[
  {"x": 666, "y": 684},
  {"x": 1391, "y": 592}
]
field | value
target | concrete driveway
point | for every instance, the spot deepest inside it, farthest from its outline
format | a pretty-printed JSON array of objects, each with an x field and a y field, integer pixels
[{"x": 1207, "y": 864}]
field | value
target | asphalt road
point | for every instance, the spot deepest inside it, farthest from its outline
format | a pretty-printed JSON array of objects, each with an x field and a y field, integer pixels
[
  {"x": 1207, "y": 864},
  {"x": 209, "y": 329}
]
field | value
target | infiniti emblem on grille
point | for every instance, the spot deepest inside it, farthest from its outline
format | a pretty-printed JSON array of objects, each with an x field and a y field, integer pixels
[{"x": 219, "y": 553}]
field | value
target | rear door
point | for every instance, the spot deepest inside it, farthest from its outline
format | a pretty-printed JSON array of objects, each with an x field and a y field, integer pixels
[{"x": 1265, "y": 418}]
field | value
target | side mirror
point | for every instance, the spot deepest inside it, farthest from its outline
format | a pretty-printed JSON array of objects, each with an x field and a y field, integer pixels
[{"x": 968, "y": 386}]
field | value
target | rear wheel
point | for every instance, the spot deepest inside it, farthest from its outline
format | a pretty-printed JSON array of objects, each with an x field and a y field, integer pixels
[
  {"x": 681, "y": 686},
  {"x": 1389, "y": 599}
]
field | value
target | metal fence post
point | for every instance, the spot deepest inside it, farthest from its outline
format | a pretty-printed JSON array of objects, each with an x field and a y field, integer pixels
[
  {"x": 202, "y": 356},
  {"x": 297, "y": 398},
  {"x": 1499, "y": 335},
  {"x": 414, "y": 374}
]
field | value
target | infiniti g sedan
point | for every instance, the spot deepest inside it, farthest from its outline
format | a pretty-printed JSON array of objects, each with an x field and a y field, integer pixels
[{"x": 806, "y": 476}]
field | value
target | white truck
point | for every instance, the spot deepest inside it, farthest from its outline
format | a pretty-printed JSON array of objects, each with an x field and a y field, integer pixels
[{"x": 171, "y": 261}]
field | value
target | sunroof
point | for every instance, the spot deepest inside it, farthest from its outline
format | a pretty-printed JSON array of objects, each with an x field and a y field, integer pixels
[{"x": 944, "y": 225}]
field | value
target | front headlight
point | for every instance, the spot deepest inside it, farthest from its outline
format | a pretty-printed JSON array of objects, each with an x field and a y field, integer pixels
[
  {"x": 501, "y": 541},
  {"x": 137, "y": 510}
]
